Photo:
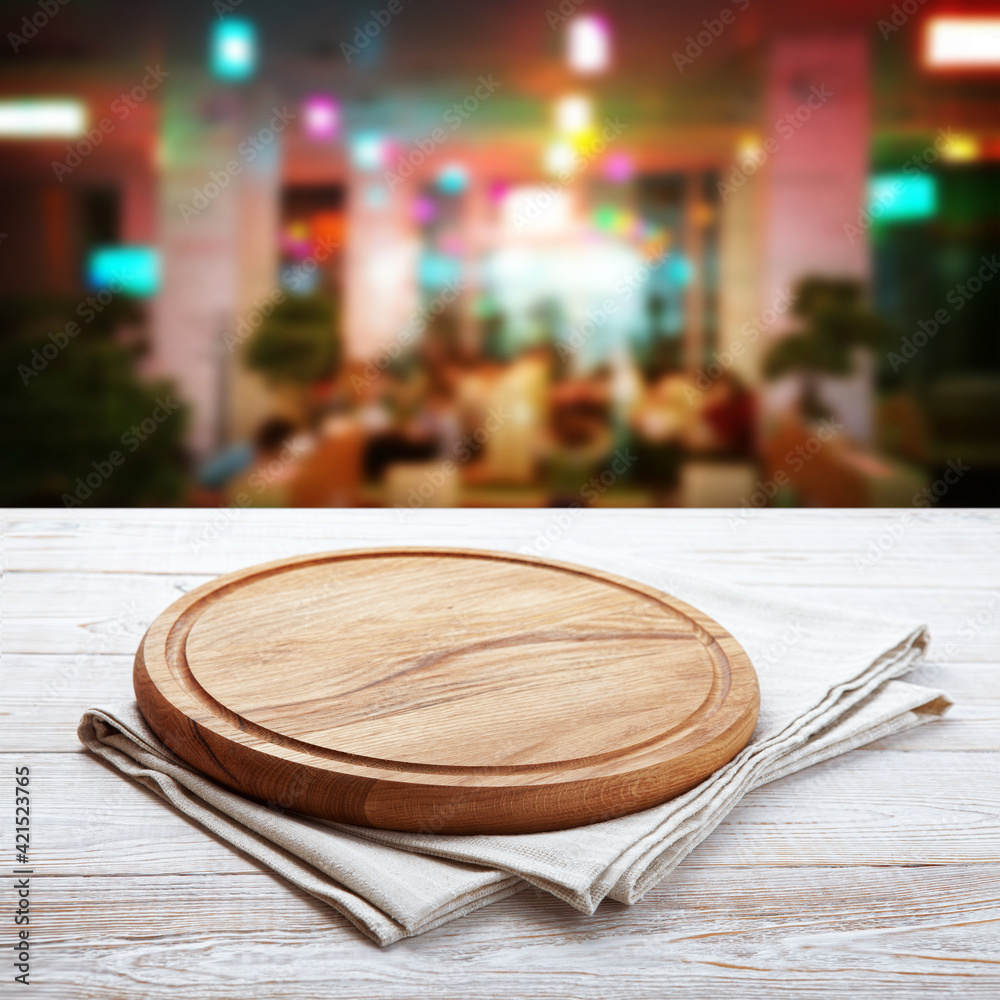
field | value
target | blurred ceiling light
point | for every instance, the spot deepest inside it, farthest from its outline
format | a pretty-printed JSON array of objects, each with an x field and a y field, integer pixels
[
  {"x": 453, "y": 178},
  {"x": 589, "y": 44},
  {"x": 573, "y": 114},
  {"x": 961, "y": 149},
  {"x": 322, "y": 116},
  {"x": 234, "y": 49},
  {"x": 559, "y": 157},
  {"x": 24, "y": 119},
  {"x": 962, "y": 43},
  {"x": 368, "y": 151}
]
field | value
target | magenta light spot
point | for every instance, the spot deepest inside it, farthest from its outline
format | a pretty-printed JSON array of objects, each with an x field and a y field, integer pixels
[
  {"x": 498, "y": 191},
  {"x": 423, "y": 209},
  {"x": 618, "y": 167},
  {"x": 322, "y": 116}
]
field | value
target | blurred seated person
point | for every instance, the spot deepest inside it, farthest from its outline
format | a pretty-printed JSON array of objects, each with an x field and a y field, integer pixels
[
  {"x": 662, "y": 423},
  {"x": 235, "y": 459},
  {"x": 439, "y": 421},
  {"x": 219, "y": 469},
  {"x": 695, "y": 419},
  {"x": 476, "y": 382},
  {"x": 409, "y": 431},
  {"x": 510, "y": 425},
  {"x": 328, "y": 474},
  {"x": 669, "y": 409},
  {"x": 727, "y": 423},
  {"x": 276, "y": 455},
  {"x": 580, "y": 440},
  {"x": 374, "y": 411}
]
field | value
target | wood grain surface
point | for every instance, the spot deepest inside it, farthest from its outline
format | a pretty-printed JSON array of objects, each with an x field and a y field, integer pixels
[
  {"x": 872, "y": 875},
  {"x": 443, "y": 690}
]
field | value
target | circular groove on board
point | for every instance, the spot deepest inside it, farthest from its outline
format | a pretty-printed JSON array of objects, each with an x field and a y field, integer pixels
[{"x": 272, "y": 678}]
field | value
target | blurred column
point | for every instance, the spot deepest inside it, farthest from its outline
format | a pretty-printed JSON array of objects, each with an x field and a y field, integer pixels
[
  {"x": 380, "y": 266},
  {"x": 694, "y": 336},
  {"x": 218, "y": 236},
  {"x": 818, "y": 113},
  {"x": 740, "y": 281},
  {"x": 258, "y": 206},
  {"x": 475, "y": 222}
]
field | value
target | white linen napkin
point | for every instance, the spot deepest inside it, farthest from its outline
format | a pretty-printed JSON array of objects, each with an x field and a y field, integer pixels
[{"x": 828, "y": 684}]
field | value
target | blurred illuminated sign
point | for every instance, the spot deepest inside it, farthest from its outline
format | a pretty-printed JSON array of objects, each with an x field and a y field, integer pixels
[
  {"x": 234, "y": 49},
  {"x": 133, "y": 270},
  {"x": 24, "y": 119},
  {"x": 902, "y": 196},
  {"x": 589, "y": 44},
  {"x": 962, "y": 43}
]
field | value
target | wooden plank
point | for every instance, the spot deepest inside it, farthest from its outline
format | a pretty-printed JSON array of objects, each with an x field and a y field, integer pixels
[
  {"x": 45, "y": 694},
  {"x": 56, "y": 522},
  {"x": 87, "y": 598},
  {"x": 44, "y": 697},
  {"x": 894, "y": 808},
  {"x": 769, "y": 547},
  {"x": 74, "y": 612},
  {"x": 972, "y": 721},
  {"x": 727, "y": 933}
]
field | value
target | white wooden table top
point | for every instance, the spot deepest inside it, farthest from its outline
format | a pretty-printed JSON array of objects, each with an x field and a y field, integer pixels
[{"x": 875, "y": 874}]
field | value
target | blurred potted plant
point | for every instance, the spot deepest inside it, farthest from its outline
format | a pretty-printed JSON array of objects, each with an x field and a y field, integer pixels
[
  {"x": 79, "y": 424},
  {"x": 298, "y": 346},
  {"x": 836, "y": 339}
]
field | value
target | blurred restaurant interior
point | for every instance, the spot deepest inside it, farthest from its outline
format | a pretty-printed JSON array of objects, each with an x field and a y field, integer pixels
[{"x": 426, "y": 253}]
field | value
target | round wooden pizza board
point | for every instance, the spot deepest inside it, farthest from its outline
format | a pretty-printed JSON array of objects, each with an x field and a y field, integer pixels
[{"x": 444, "y": 690}]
